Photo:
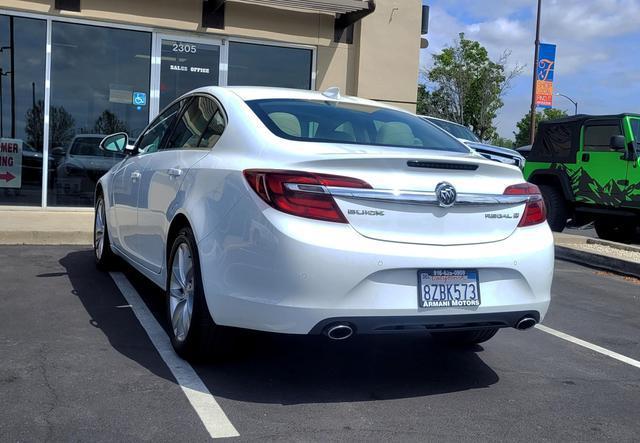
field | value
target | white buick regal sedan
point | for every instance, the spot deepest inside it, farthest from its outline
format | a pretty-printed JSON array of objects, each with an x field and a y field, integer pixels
[{"x": 304, "y": 212}]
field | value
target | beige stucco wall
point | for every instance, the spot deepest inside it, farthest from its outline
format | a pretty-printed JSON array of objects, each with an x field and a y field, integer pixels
[
  {"x": 382, "y": 63},
  {"x": 389, "y": 53}
]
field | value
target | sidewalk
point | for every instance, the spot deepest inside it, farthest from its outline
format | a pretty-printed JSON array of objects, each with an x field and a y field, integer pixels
[
  {"x": 616, "y": 257},
  {"x": 43, "y": 227}
]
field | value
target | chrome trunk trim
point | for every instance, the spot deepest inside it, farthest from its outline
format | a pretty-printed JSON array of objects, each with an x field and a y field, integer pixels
[{"x": 409, "y": 197}]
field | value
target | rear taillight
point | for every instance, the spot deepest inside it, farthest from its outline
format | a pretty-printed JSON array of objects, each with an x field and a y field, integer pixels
[
  {"x": 303, "y": 194},
  {"x": 535, "y": 211}
]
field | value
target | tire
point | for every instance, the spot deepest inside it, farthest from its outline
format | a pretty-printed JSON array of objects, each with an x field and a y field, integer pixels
[
  {"x": 615, "y": 230},
  {"x": 556, "y": 206},
  {"x": 105, "y": 258},
  {"x": 193, "y": 333},
  {"x": 465, "y": 338}
]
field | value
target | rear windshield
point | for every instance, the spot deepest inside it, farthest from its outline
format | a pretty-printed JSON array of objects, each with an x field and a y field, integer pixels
[
  {"x": 336, "y": 122},
  {"x": 87, "y": 146},
  {"x": 455, "y": 129}
]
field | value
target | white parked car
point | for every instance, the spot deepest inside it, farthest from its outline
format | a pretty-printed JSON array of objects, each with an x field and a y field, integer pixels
[{"x": 303, "y": 212}]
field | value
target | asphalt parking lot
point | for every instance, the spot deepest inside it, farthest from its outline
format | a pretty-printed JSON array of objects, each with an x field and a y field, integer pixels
[{"x": 76, "y": 364}]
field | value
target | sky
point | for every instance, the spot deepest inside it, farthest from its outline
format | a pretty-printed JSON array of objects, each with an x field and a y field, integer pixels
[{"x": 597, "y": 56}]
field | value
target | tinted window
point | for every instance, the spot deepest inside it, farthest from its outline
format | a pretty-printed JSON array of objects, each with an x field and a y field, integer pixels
[
  {"x": 265, "y": 65},
  {"x": 455, "y": 129},
  {"x": 152, "y": 138},
  {"x": 329, "y": 121},
  {"x": 23, "y": 42},
  {"x": 635, "y": 128},
  {"x": 191, "y": 126},
  {"x": 86, "y": 146},
  {"x": 598, "y": 137},
  {"x": 213, "y": 132},
  {"x": 99, "y": 85}
]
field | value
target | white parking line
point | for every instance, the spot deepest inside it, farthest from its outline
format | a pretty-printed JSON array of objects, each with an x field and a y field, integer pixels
[
  {"x": 205, "y": 405},
  {"x": 588, "y": 345}
]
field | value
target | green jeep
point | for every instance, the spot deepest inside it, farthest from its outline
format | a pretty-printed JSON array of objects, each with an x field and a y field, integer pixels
[{"x": 587, "y": 169}]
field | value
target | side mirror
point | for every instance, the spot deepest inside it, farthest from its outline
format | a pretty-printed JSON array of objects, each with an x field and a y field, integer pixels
[
  {"x": 58, "y": 152},
  {"x": 617, "y": 143},
  {"x": 117, "y": 143}
]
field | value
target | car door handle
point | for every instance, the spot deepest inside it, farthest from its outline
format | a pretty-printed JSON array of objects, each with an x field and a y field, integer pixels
[
  {"x": 585, "y": 157},
  {"x": 135, "y": 175},
  {"x": 175, "y": 172}
]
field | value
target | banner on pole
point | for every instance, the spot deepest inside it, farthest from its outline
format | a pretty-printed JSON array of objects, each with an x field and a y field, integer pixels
[{"x": 544, "y": 75}]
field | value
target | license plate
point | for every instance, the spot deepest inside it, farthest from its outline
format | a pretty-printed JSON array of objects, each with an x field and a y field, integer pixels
[{"x": 446, "y": 288}]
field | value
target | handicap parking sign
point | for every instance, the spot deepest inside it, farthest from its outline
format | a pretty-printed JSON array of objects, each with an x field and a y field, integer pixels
[{"x": 140, "y": 98}]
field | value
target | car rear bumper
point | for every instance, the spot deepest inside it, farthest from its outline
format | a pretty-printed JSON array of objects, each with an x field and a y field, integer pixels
[
  {"x": 455, "y": 322},
  {"x": 291, "y": 275}
]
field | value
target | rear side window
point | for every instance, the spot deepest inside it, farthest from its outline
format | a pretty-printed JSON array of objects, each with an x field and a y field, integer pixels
[
  {"x": 192, "y": 124},
  {"x": 151, "y": 140},
  {"x": 213, "y": 131},
  {"x": 337, "y": 122},
  {"x": 597, "y": 137}
]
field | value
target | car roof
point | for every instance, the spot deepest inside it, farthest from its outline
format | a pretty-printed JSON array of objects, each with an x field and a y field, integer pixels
[
  {"x": 248, "y": 93},
  {"x": 584, "y": 117}
]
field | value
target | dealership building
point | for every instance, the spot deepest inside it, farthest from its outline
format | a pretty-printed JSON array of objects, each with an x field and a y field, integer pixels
[{"x": 72, "y": 71}]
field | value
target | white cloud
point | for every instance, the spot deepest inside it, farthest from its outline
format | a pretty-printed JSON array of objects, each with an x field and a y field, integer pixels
[{"x": 593, "y": 38}]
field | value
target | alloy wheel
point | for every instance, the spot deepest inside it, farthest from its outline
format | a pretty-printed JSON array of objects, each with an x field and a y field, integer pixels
[
  {"x": 98, "y": 236},
  {"x": 181, "y": 291}
]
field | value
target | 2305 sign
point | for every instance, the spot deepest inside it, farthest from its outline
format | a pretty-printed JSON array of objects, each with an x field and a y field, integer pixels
[{"x": 184, "y": 47}]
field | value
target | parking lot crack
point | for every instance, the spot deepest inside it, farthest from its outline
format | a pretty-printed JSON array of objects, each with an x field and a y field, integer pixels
[{"x": 52, "y": 403}]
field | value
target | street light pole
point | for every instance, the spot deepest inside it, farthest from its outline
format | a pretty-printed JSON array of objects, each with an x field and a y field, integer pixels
[
  {"x": 532, "y": 134},
  {"x": 575, "y": 103}
]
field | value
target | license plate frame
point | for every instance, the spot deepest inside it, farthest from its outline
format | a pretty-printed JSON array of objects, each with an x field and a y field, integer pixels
[{"x": 448, "y": 277}]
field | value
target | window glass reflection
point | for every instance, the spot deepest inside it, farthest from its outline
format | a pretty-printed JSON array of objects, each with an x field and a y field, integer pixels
[
  {"x": 22, "y": 72},
  {"x": 186, "y": 66},
  {"x": 265, "y": 65},
  {"x": 99, "y": 86}
]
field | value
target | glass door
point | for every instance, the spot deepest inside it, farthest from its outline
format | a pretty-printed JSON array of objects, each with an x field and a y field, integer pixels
[{"x": 182, "y": 64}]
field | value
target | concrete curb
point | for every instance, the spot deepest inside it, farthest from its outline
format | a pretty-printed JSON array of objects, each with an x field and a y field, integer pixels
[
  {"x": 613, "y": 264},
  {"x": 46, "y": 227},
  {"x": 46, "y": 238}
]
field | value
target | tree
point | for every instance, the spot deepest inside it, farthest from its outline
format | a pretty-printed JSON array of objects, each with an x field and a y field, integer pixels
[
  {"x": 108, "y": 123},
  {"x": 502, "y": 141},
  {"x": 523, "y": 135},
  {"x": 34, "y": 125},
  {"x": 61, "y": 126},
  {"x": 431, "y": 103},
  {"x": 467, "y": 86}
]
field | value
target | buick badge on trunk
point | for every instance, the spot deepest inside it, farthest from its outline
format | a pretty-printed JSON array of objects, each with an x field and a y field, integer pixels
[{"x": 446, "y": 194}]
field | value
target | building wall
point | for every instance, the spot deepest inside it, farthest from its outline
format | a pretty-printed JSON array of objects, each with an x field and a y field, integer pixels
[
  {"x": 381, "y": 64},
  {"x": 388, "y": 59}
]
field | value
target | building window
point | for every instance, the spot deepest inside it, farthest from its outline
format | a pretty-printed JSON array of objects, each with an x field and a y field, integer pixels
[
  {"x": 186, "y": 66},
  {"x": 22, "y": 72},
  {"x": 99, "y": 85},
  {"x": 265, "y": 65}
]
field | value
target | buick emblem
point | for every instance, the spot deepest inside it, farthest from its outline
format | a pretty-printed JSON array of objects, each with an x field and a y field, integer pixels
[{"x": 446, "y": 194}]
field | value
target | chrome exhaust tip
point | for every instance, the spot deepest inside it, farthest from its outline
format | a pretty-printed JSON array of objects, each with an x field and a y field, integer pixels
[
  {"x": 526, "y": 323},
  {"x": 339, "y": 331}
]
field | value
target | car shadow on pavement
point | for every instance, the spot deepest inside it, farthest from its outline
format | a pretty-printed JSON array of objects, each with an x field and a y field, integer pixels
[
  {"x": 286, "y": 369},
  {"x": 109, "y": 311}
]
